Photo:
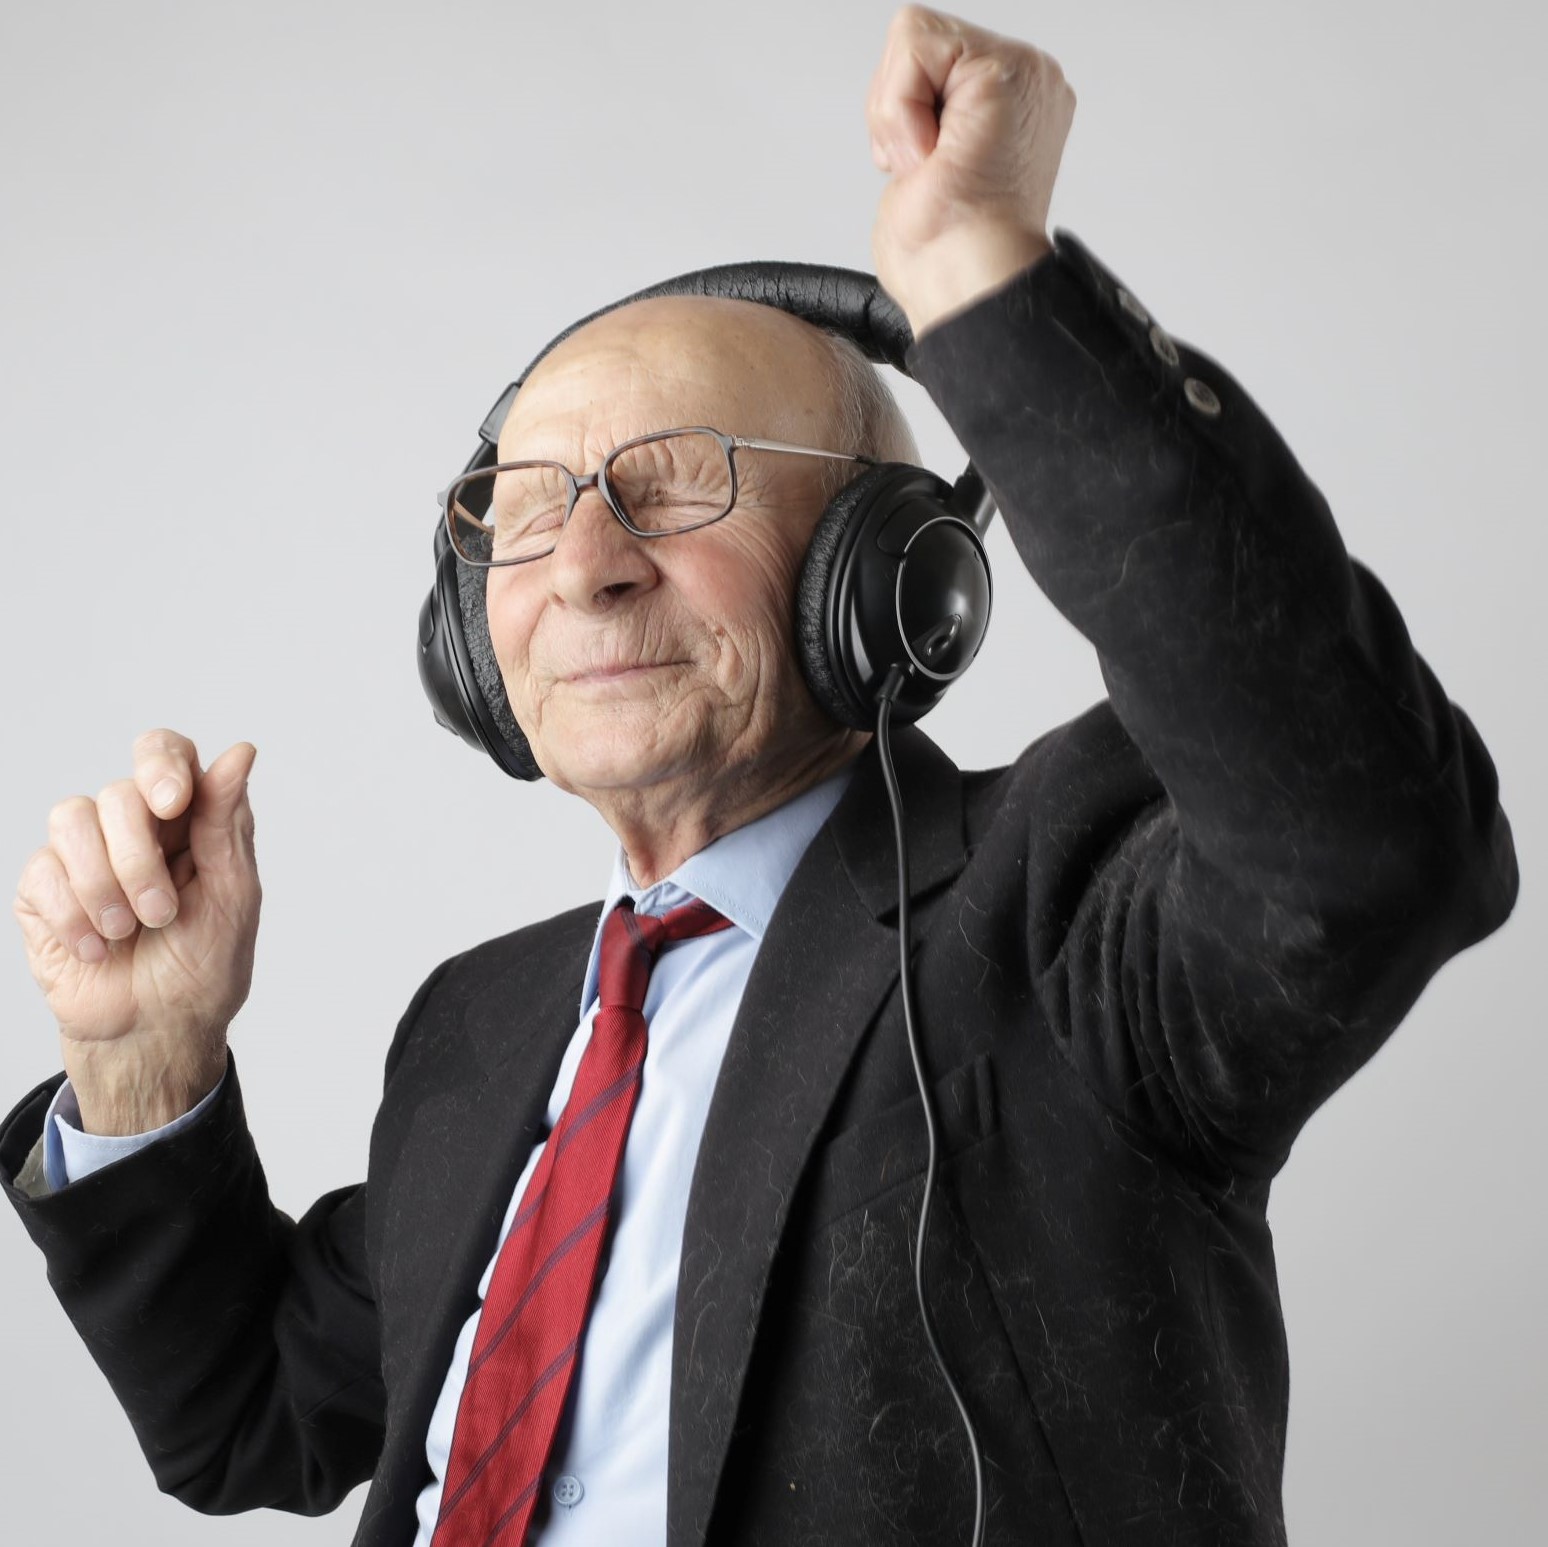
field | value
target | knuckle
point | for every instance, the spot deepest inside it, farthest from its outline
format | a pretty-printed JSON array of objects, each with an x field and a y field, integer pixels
[
  {"x": 25, "y": 909},
  {"x": 161, "y": 742},
  {"x": 68, "y": 815},
  {"x": 44, "y": 892},
  {"x": 118, "y": 794},
  {"x": 36, "y": 874},
  {"x": 914, "y": 22}
]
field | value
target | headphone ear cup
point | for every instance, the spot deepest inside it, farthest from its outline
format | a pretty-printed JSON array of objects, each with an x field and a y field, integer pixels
[
  {"x": 892, "y": 577},
  {"x": 812, "y": 599},
  {"x": 457, "y": 666}
]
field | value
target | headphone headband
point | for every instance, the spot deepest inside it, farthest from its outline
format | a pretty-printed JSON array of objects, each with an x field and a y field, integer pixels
[{"x": 845, "y": 301}]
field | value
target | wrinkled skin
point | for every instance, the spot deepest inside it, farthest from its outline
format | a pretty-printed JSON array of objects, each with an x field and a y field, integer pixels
[{"x": 712, "y": 724}]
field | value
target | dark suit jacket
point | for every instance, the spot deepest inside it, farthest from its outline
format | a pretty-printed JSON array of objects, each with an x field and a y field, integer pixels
[{"x": 1144, "y": 954}]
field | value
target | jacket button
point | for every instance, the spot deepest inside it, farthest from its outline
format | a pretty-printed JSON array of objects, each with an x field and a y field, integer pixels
[
  {"x": 1161, "y": 342},
  {"x": 568, "y": 1491},
  {"x": 1132, "y": 306},
  {"x": 1201, "y": 397}
]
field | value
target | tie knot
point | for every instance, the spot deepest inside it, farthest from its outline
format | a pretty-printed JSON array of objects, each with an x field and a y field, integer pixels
[{"x": 631, "y": 942}]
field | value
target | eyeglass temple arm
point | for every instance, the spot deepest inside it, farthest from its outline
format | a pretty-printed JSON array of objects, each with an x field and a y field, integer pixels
[{"x": 970, "y": 498}]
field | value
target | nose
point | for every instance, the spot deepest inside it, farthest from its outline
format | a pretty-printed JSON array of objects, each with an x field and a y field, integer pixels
[{"x": 597, "y": 561}]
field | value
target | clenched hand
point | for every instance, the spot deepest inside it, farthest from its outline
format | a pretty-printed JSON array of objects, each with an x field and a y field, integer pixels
[
  {"x": 971, "y": 126},
  {"x": 139, "y": 917}
]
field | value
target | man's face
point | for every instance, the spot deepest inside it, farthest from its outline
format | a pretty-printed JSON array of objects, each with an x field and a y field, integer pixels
[{"x": 669, "y": 663}]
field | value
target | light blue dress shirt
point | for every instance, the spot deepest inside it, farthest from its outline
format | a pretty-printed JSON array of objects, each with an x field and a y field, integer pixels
[{"x": 608, "y": 1474}]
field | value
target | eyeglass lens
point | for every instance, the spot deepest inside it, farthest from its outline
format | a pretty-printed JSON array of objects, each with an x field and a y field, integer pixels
[{"x": 667, "y": 483}]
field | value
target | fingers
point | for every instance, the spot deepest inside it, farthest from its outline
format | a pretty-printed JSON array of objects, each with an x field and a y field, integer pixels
[
  {"x": 220, "y": 835},
  {"x": 120, "y": 861},
  {"x": 134, "y": 851},
  {"x": 112, "y": 860},
  {"x": 970, "y": 127},
  {"x": 166, "y": 769},
  {"x": 46, "y": 902},
  {"x": 922, "y": 47}
]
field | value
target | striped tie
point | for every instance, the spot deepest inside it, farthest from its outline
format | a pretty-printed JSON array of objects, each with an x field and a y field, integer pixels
[{"x": 534, "y": 1316}]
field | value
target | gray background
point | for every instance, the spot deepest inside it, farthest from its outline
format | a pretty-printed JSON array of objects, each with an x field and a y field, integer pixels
[{"x": 265, "y": 267}]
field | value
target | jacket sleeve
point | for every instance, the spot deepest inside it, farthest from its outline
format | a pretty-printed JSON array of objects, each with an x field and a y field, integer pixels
[
  {"x": 242, "y": 1344},
  {"x": 1330, "y": 831}
]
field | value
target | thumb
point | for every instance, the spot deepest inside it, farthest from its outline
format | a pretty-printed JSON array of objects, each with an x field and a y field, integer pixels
[{"x": 220, "y": 829}]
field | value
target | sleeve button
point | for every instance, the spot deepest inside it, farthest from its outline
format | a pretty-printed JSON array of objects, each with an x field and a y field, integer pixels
[
  {"x": 1132, "y": 306},
  {"x": 1201, "y": 397},
  {"x": 1161, "y": 342}
]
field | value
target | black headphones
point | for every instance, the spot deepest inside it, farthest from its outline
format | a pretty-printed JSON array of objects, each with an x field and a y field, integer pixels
[{"x": 894, "y": 593}]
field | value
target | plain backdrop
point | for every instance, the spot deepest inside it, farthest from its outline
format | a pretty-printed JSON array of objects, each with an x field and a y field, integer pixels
[{"x": 266, "y": 266}]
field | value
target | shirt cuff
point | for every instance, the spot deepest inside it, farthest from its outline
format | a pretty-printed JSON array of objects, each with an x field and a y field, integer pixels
[{"x": 69, "y": 1155}]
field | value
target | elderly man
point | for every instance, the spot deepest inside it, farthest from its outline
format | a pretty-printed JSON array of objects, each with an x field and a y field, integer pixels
[{"x": 1146, "y": 952}]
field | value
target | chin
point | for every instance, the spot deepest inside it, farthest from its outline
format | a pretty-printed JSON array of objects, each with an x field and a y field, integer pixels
[{"x": 628, "y": 752}]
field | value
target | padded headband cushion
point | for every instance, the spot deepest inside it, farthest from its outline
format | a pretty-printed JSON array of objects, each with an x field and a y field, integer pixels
[{"x": 844, "y": 301}]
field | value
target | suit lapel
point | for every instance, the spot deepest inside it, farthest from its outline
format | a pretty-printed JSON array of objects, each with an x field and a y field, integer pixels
[{"x": 821, "y": 975}]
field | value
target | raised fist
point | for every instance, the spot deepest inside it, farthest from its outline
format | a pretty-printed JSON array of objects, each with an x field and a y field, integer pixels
[{"x": 972, "y": 126}]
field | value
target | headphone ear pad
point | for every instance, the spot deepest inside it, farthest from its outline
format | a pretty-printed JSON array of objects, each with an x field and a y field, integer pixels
[
  {"x": 472, "y": 584},
  {"x": 812, "y": 588}
]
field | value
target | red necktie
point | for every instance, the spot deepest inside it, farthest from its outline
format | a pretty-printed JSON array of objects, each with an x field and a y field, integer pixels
[{"x": 530, "y": 1329}]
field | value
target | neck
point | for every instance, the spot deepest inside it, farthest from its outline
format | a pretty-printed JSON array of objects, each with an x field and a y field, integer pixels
[{"x": 660, "y": 828}]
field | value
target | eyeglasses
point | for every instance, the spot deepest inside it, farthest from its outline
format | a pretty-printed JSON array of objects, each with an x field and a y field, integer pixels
[{"x": 657, "y": 485}]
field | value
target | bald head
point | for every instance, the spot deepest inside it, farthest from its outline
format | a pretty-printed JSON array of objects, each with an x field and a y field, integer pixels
[{"x": 823, "y": 380}]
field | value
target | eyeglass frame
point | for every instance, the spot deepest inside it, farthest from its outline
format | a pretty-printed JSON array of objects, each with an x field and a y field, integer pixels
[{"x": 578, "y": 483}]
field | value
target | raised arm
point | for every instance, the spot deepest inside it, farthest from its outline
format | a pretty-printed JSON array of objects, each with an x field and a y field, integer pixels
[{"x": 1330, "y": 832}]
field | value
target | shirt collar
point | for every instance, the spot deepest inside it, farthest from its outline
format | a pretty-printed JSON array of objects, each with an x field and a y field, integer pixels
[{"x": 742, "y": 873}]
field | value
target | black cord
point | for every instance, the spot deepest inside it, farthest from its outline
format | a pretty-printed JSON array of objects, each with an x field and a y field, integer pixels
[{"x": 895, "y": 680}]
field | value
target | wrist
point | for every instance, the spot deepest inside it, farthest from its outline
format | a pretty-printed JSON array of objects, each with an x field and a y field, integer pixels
[
  {"x": 119, "y": 1097},
  {"x": 962, "y": 266}
]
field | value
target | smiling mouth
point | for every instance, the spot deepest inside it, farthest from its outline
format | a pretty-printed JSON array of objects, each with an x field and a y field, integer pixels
[{"x": 622, "y": 673}]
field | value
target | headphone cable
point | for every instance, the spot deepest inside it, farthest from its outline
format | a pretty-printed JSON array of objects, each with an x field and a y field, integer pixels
[{"x": 889, "y": 691}]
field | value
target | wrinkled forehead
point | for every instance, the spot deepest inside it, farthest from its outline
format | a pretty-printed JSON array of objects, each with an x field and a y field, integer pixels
[{"x": 739, "y": 366}]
